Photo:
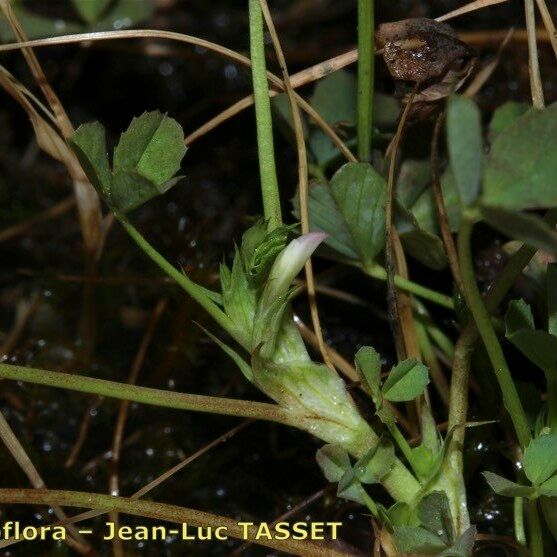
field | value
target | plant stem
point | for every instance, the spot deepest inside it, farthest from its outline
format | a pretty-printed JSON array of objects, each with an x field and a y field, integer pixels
[
  {"x": 194, "y": 290},
  {"x": 535, "y": 530},
  {"x": 146, "y": 395},
  {"x": 264, "y": 122},
  {"x": 489, "y": 337},
  {"x": 458, "y": 405},
  {"x": 380, "y": 273},
  {"x": 518, "y": 512},
  {"x": 533, "y": 62},
  {"x": 164, "y": 512},
  {"x": 366, "y": 76}
]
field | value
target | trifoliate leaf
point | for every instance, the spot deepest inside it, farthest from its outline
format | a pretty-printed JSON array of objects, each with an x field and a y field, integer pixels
[
  {"x": 153, "y": 146},
  {"x": 406, "y": 381}
]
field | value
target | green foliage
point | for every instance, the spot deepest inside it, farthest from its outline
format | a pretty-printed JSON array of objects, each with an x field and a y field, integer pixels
[
  {"x": 334, "y": 98},
  {"x": 464, "y": 137},
  {"x": 530, "y": 229},
  {"x": 152, "y": 146},
  {"x": 351, "y": 210},
  {"x": 521, "y": 166},
  {"x": 97, "y": 15},
  {"x": 540, "y": 458},
  {"x": 406, "y": 381},
  {"x": 540, "y": 467},
  {"x": 538, "y": 346},
  {"x": 505, "y": 487},
  {"x": 91, "y": 10},
  {"x": 433, "y": 534},
  {"x": 148, "y": 154},
  {"x": 505, "y": 115}
]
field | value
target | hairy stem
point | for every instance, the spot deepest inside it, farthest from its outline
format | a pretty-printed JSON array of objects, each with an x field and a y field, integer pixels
[
  {"x": 146, "y": 395},
  {"x": 162, "y": 511},
  {"x": 264, "y": 122},
  {"x": 366, "y": 76}
]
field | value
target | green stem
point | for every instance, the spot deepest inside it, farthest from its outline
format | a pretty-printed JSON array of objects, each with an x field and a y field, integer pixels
[
  {"x": 399, "y": 482},
  {"x": 196, "y": 291},
  {"x": 489, "y": 337},
  {"x": 366, "y": 76},
  {"x": 264, "y": 122},
  {"x": 380, "y": 273},
  {"x": 535, "y": 530},
  {"x": 164, "y": 512},
  {"x": 518, "y": 511},
  {"x": 458, "y": 406},
  {"x": 402, "y": 444},
  {"x": 146, "y": 395}
]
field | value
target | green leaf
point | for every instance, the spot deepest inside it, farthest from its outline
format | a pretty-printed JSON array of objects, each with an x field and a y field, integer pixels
[
  {"x": 530, "y": 229},
  {"x": 521, "y": 167},
  {"x": 549, "y": 487},
  {"x": 519, "y": 316},
  {"x": 126, "y": 14},
  {"x": 333, "y": 461},
  {"x": 153, "y": 146},
  {"x": 130, "y": 190},
  {"x": 505, "y": 115},
  {"x": 36, "y": 26},
  {"x": 427, "y": 248},
  {"x": 368, "y": 365},
  {"x": 413, "y": 178},
  {"x": 406, "y": 381},
  {"x": 551, "y": 286},
  {"x": 435, "y": 516},
  {"x": 505, "y": 487},
  {"x": 424, "y": 208},
  {"x": 90, "y": 10},
  {"x": 325, "y": 216},
  {"x": 359, "y": 193},
  {"x": 335, "y": 465},
  {"x": 376, "y": 464},
  {"x": 463, "y": 546},
  {"x": 540, "y": 458},
  {"x": 239, "y": 299},
  {"x": 538, "y": 346},
  {"x": 465, "y": 145},
  {"x": 424, "y": 461},
  {"x": 334, "y": 98},
  {"x": 351, "y": 210},
  {"x": 89, "y": 144},
  {"x": 417, "y": 540}
]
